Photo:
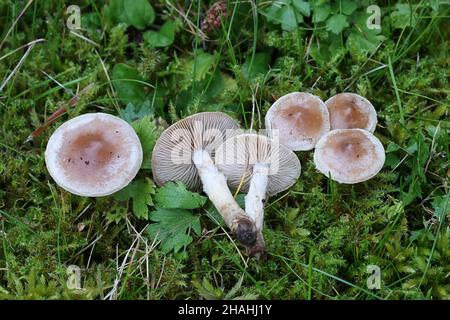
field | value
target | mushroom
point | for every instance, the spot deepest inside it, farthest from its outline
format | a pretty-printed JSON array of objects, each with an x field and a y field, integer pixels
[
  {"x": 184, "y": 152},
  {"x": 349, "y": 155},
  {"x": 351, "y": 111},
  {"x": 93, "y": 155},
  {"x": 261, "y": 167},
  {"x": 301, "y": 119}
]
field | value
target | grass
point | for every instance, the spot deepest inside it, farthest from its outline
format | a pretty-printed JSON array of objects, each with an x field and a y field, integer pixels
[{"x": 321, "y": 235}]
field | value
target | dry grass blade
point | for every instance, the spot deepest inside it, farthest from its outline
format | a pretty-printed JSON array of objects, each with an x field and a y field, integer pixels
[
  {"x": 15, "y": 22},
  {"x": 62, "y": 110}
]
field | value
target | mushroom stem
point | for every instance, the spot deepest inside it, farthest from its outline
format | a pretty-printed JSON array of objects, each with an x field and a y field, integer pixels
[
  {"x": 254, "y": 200},
  {"x": 215, "y": 186},
  {"x": 254, "y": 204}
]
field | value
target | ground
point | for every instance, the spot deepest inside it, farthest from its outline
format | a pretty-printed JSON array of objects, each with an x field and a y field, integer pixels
[{"x": 155, "y": 64}]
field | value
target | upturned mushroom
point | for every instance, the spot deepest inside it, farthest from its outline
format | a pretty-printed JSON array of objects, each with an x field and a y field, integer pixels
[
  {"x": 349, "y": 155},
  {"x": 93, "y": 155},
  {"x": 351, "y": 111},
  {"x": 184, "y": 152},
  {"x": 261, "y": 167},
  {"x": 301, "y": 119}
]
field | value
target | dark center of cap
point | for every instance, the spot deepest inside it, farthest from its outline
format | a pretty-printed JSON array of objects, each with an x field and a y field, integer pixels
[
  {"x": 86, "y": 156},
  {"x": 345, "y": 114},
  {"x": 304, "y": 119},
  {"x": 349, "y": 145}
]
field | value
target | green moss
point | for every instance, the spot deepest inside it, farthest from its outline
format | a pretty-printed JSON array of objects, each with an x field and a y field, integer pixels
[{"x": 321, "y": 236}]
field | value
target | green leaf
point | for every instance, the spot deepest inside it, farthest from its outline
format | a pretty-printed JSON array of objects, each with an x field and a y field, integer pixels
[
  {"x": 402, "y": 16},
  {"x": 362, "y": 39},
  {"x": 259, "y": 66},
  {"x": 162, "y": 38},
  {"x": 176, "y": 242},
  {"x": 132, "y": 113},
  {"x": 200, "y": 65},
  {"x": 274, "y": 13},
  {"x": 141, "y": 192},
  {"x": 115, "y": 12},
  {"x": 140, "y": 13},
  {"x": 337, "y": 23},
  {"x": 288, "y": 18},
  {"x": 148, "y": 133},
  {"x": 348, "y": 6},
  {"x": 116, "y": 215},
  {"x": 321, "y": 13},
  {"x": 128, "y": 84},
  {"x": 171, "y": 227},
  {"x": 441, "y": 207},
  {"x": 175, "y": 195},
  {"x": 302, "y": 6}
]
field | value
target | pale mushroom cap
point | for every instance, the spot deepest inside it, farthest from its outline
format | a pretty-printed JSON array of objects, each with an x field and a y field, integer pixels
[
  {"x": 93, "y": 155},
  {"x": 172, "y": 155},
  {"x": 300, "y": 118},
  {"x": 237, "y": 156},
  {"x": 351, "y": 111},
  {"x": 349, "y": 155}
]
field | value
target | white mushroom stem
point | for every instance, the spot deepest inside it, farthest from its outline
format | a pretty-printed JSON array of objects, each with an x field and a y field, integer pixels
[
  {"x": 254, "y": 200},
  {"x": 215, "y": 186},
  {"x": 254, "y": 204}
]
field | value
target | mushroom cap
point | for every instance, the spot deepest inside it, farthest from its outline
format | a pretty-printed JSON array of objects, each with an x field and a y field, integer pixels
[
  {"x": 172, "y": 154},
  {"x": 301, "y": 118},
  {"x": 93, "y": 155},
  {"x": 237, "y": 156},
  {"x": 351, "y": 111},
  {"x": 349, "y": 155}
]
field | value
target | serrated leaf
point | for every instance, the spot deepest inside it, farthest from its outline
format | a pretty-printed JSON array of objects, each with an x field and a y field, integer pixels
[
  {"x": 176, "y": 242},
  {"x": 140, "y": 13},
  {"x": 441, "y": 207},
  {"x": 362, "y": 39},
  {"x": 162, "y": 38},
  {"x": 171, "y": 227},
  {"x": 175, "y": 195},
  {"x": 288, "y": 18},
  {"x": 337, "y": 23},
  {"x": 402, "y": 16},
  {"x": 274, "y": 13},
  {"x": 302, "y": 6},
  {"x": 140, "y": 192},
  {"x": 348, "y": 6},
  {"x": 321, "y": 13},
  {"x": 132, "y": 113},
  {"x": 148, "y": 133}
]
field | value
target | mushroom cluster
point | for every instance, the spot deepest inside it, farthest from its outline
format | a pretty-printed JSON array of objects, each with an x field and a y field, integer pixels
[
  {"x": 185, "y": 152},
  {"x": 97, "y": 154},
  {"x": 340, "y": 130}
]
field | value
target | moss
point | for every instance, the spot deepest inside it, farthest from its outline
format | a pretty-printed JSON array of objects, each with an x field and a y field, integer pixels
[{"x": 321, "y": 235}]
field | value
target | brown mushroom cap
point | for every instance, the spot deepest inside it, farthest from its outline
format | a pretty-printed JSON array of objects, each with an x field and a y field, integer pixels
[
  {"x": 236, "y": 157},
  {"x": 349, "y": 155},
  {"x": 351, "y": 111},
  {"x": 93, "y": 155},
  {"x": 301, "y": 119},
  {"x": 172, "y": 154}
]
